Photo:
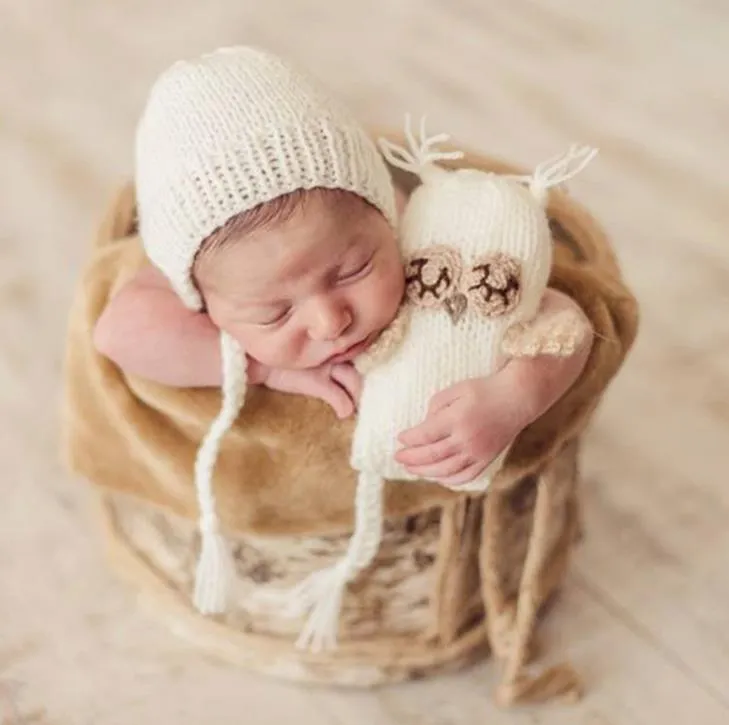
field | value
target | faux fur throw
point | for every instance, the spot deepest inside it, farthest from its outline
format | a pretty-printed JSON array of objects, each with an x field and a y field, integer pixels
[{"x": 130, "y": 436}]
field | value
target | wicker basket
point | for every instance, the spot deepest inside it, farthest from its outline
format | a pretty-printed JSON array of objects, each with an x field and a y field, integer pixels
[
  {"x": 454, "y": 578},
  {"x": 417, "y": 611}
]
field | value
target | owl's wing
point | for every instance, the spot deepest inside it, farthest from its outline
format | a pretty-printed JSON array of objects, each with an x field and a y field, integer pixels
[
  {"x": 559, "y": 333},
  {"x": 387, "y": 343}
]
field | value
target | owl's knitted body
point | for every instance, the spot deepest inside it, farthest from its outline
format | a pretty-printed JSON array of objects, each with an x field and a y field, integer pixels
[{"x": 477, "y": 254}]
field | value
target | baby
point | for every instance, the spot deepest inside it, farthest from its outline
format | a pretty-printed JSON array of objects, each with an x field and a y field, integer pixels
[{"x": 268, "y": 213}]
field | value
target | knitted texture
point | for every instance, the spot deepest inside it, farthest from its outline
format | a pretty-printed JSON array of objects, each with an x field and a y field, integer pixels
[
  {"x": 230, "y": 130},
  {"x": 219, "y": 136},
  {"x": 477, "y": 250},
  {"x": 215, "y": 566}
]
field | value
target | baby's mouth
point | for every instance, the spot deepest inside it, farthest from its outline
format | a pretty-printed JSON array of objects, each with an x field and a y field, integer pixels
[{"x": 353, "y": 350}]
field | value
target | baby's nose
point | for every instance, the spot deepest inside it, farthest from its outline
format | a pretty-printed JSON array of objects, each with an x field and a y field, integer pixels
[{"x": 329, "y": 319}]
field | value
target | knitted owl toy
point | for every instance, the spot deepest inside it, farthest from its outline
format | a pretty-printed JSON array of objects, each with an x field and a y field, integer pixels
[{"x": 477, "y": 251}]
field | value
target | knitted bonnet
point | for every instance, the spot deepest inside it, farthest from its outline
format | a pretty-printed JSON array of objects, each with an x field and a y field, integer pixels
[
  {"x": 218, "y": 136},
  {"x": 477, "y": 253}
]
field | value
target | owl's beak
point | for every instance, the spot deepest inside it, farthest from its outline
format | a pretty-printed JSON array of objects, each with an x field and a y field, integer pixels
[{"x": 455, "y": 306}]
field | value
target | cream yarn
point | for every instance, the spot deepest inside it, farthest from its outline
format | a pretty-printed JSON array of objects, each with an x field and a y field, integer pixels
[
  {"x": 477, "y": 251},
  {"x": 233, "y": 129},
  {"x": 219, "y": 135}
]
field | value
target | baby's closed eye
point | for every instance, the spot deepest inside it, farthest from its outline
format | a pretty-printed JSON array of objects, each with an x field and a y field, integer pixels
[
  {"x": 269, "y": 317},
  {"x": 355, "y": 269}
]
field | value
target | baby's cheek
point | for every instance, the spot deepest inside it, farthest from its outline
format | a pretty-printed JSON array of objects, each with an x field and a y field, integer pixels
[
  {"x": 264, "y": 348},
  {"x": 372, "y": 304},
  {"x": 283, "y": 348},
  {"x": 252, "y": 341},
  {"x": 276, "y": 347},
  {"x": 392, "y": 290}
]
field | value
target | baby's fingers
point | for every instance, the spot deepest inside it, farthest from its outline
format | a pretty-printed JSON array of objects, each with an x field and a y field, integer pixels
[
  {"x": 435, "y": 427},
  {"x": 465, "y": 475},
  {"x": 427, "y": 454},
  {"x": 442, "y": 470},
  {"x": 349, "y": 378},
  {"x": 335, "y": 396}
]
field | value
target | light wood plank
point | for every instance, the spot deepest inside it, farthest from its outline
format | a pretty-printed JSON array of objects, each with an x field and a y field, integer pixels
[{"x": 644, "y": 612}]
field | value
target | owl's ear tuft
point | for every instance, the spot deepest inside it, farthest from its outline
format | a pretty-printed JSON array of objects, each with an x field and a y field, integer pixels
[
  {"x": 555, "y": 172},
  {"x": 558, "y": 170},
  {"x": 422, "y": 155}
]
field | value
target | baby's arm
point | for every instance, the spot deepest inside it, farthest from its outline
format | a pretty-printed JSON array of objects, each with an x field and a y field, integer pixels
[
  {"x": 146, "y": 331},
  {"x": 470, "y": 423}
]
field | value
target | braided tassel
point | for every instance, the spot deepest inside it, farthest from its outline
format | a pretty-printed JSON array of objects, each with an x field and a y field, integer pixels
[
  {"x": 322, "y": 592},
  {"x": 215, "y": 567}
]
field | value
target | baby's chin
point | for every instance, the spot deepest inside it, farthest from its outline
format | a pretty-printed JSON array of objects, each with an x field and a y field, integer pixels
[
  {"x": 353, "y": 351},
  {"x": 341, "y": 352}
]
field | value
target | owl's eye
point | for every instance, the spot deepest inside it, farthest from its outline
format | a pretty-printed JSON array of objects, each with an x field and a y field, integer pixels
[
  {"x": 493, "y": 284},
  {"x": 431, "y": 275}
]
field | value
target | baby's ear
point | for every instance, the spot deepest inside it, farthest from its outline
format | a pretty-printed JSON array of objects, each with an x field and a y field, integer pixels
[{"x": 387, "y": 343}]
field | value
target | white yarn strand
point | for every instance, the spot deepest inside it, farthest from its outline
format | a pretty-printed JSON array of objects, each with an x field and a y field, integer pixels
[
  {"x": 321, "y": 593},
  {"x": 559, "y": 169},
  {"x": 421, "y": 155},
  {"x": 215, "y": 567},
  {"x": 228, "y": 130}
]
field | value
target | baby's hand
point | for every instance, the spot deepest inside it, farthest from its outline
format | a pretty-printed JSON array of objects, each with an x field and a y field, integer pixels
[
  {"x": 469, "y": 424},
  {"x": 339, "y": 385},
  {"x": 465, "y": 428}
]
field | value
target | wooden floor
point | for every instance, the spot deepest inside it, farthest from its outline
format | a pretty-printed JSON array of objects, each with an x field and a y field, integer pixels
[{"x": 645, "y": 613}]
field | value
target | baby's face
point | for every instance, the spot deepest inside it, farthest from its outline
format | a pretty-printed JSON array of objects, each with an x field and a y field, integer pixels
[{"x": 313, "y": 289}]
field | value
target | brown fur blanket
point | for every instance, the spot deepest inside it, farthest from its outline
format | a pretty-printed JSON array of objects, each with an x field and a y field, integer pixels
[{"x": 284, "y": 467}]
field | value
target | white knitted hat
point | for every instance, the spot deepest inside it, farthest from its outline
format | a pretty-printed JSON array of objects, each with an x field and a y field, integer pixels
[
  {"x": 233, "y": 129},
  {"x": 478, "y": 252},
  {"x": 220, "y": 135}
]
